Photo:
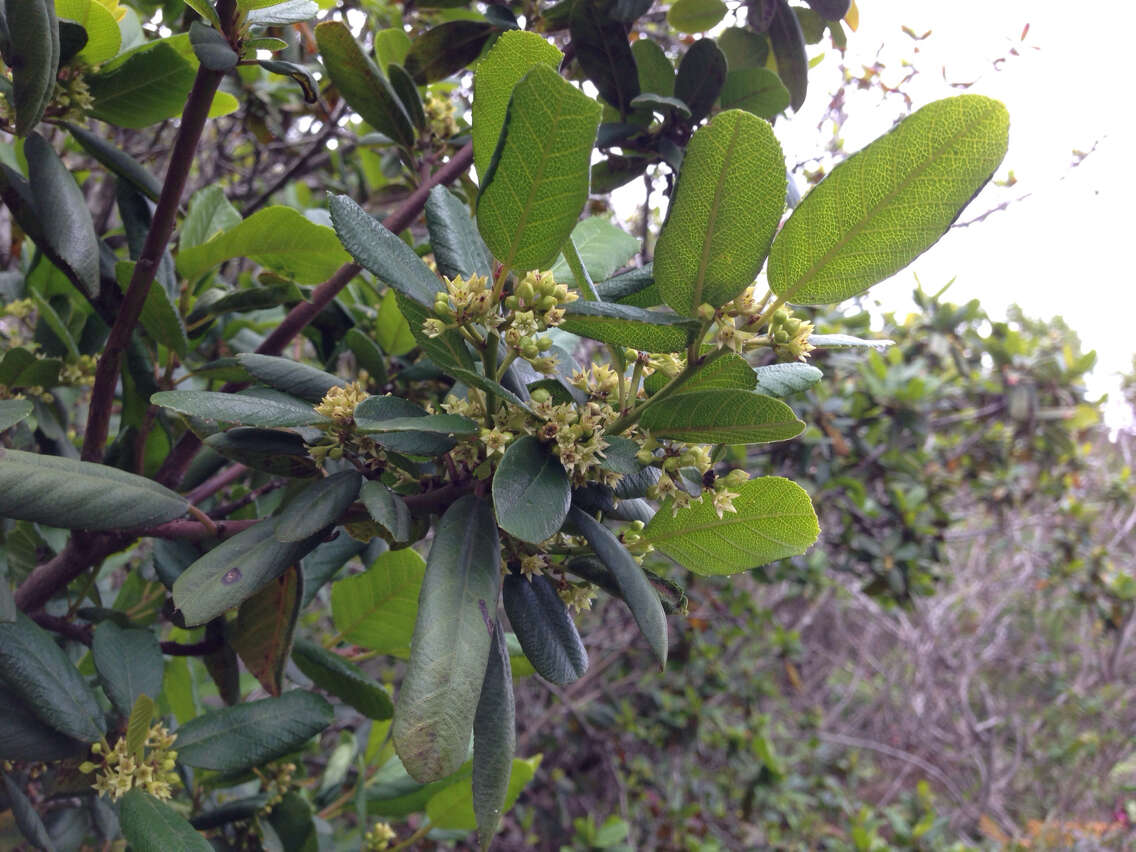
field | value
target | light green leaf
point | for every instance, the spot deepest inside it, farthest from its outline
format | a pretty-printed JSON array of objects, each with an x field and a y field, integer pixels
[
  {"x": 72, "y": 494},
  {"x": 888, "y": 203},
  {"x": 12, "y": 411},
  {"x": 243, "y": 409},
  {"x": 494, "y": 740},
  {"x": 234, "y": 739},
  {"x": 291, "y": 377},
  {"x": 142, "y": 712},
  {"x": 786, "y": 379},
  {"x": 743, "y": 48},
  {"x": 387, "y": 509},
  {"x": 756, "y": 90},
  {"x": 728, "y": 371},
  {"x": 603, "y": 247},
  {"x": 318, "y": 506},
  {"x": 531, "y": 491},
  {"x": 150, "y": 825},
  {"x": 774, "y": 519},
  {"x": 103, "y": 35},
  {"x": 512, "y": 56},
  {"x": 391, "y": 46},
  {"x": 392, "y": 331},
  {"x": 433, "y": 718},
  {"x": 377, "y": 609},
  {"x": 458, "y": 247},
  {"x": 343, "y": 679},
  {"x": 269, "y": 450},
  {"x": 129, "y": 663},
  {"x": 544, "y": 628},
  {"x": 696, "y": 16},
  {"x": 278, "y": 238},
  {"x": 536, "y": 186},
  {"x": 716, "y": 236},
  {"x": 262, "y": 635},
  {"x": 452, "y": 805},
  {"x": 624, "y": 325},
  {"x": 210, "y": 213},
  {"x": 151, "y": 85},
  {"x": 722, "y": 417}
]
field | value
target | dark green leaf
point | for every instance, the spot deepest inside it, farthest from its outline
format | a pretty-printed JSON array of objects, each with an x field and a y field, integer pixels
[
  {"x": 243, "y": 301},
  {"x": 377, "y": 609},
  {"x": 407, "y": 92},
  {"x": 388, "y": 510},
  {"x": 635, "y": 287},
  {"x": 72, "y": 39},
  {"x": 446, "y": 49},
  {"x": 72, "y": 494},
  {"x": 34, "y": 668},
  {"x": 343, "y": 679},
  {"x": 322, "y": 564},
  {"x": 290, "y": 376},
  {"x": 150, "y": 825},
  {"x": 624, "y": 325},
  {"x": 788, "y": 44},
  {"x": 637, "y": 592},
  {"x": 24, "y": 737},
  {"x": 27, "y": 818},
  {"x": 786, "y": 379},
  {"x": 268, "y": 450},
  {"x": 619, "y": 455},
  {"x": 151, "y": 85},
  {"x": 701, "y": 74},
  {"x": 443, "y": 424},
  {"x": 318, "y": 506},
  {"x": 236, "y": 738},
  {"x": 211, "y": 48},
  {"x": 756, "y": 90},
  {"x": 604, "y": 53},
  {"x": 240, "y": 408},
  {"x": 367, "y": 353},
  {"x": 301, "y": 75},
  {"x": 262, "y": 636},
  {"x": 476, "y": 380},
  {"x": 119, "y": 162},
  {"x": 33, "y": 55},
  {"x": 458, "y": 247},
  {"x": 160, "y": 316},
  {"x": 830, "y": 10},
  {"x": 531, "y": 492},
  {"x": 129, "y": 663},
  {"x": 12, "y": 411},
  {"x": 722, "y": 417},
  {"x": 435, "y": 711},
  {"x": 661, "y": 104},
  {"x": 494, "y": 740},
  {"x": 544, "y": 628},
  {"x": 448, "y": 351}
]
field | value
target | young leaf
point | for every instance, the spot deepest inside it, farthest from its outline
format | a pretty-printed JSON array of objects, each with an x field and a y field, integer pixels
[
  {"x": 446, "y": 49},
  {"x": 104, "y": 38},
  {"x": 240, "y": 408},
  {"x": 494, "y": 740},
  {"x": 786, "y": 379},
  {"x": 544, "y": 628},
  {"x": 142, "y": 713},
  {"x": 531, "y": 491},
  {"x": 637, "y": 592},
  {"x": 716, "y": 237},
  {"x": 36, "y": 670},
  {"x": 604, "y": 53},
  {"x": 533, "y": 192},
  {"x": 512, "y": 56},
  {"x": 362, "y": 84},
  {"x": 434, "y": 715},
  {"x": 150, "y": 825},
  {"x": 129, "y": 663},
  {"x": 773, "y": 518},
  {"x": 458, "y": 248},
  {"x": 236, "y": 738},
  {"x": 72, "y": 494},
  {"x": 318, "y": 506},
  {"x": 377, "y": 609},
  {"x": 722, "y": 417},
  {"x": 291, "y": 377},
  {"x": 343, "y": 679},
  {"x": 262, "y": 637},
  {"x": 27, "y": 818},
  {"x": 268, "y": 450},
  {"x": 701, "y": 74},
  {"x": 388, "y": 510},
  {"x": 624, "y": 325},
  {"x": 888, "y": 203}
]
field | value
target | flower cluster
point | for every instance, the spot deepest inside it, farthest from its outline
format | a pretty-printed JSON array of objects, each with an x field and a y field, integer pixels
[
  {"x": 440, "y": 115},
  {"x": 378, "y": 838},
  {"x": 577, "y": 596},
  {"x": 790, "y": 336},
  {"x": 338, "y": 405},
  {"x": 464, "y": 300},
  {"x": 121, "y": 771}
]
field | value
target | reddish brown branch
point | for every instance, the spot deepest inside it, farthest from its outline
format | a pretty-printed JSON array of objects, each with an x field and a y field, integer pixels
[{"x": 83, "y": 633}]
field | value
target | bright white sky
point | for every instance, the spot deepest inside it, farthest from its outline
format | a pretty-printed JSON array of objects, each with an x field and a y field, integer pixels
[{"x": 1061, "y": 251}]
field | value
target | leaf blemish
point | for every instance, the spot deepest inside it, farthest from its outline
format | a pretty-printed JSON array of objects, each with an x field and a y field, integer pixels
[{"x": 231, "y": 576}]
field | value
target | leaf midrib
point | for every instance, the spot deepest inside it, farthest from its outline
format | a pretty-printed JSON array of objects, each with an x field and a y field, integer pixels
[{"x": 704, "y": 261}]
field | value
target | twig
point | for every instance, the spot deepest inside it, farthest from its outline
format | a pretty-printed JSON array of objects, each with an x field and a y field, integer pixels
[{"x": 82, "y": 633}]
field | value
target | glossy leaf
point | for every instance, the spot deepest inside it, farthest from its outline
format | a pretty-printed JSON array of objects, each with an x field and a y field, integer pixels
[
  {"x": 603, "y": 248},
  {"x": 63, "y": 492},
  {"x": 33, "y": 56},
  {"x": 773, "y": 519},
  {"x": 494, "y": 740},
  {"x": 756, "y": 90},
  {"x": 12, "y": 411},
  {"x": 533, "y": 192},
  {"x": 387, "y": 509},
  {"x": 890, "y": 202},
  {"x": 604, "y": 53},
  {"x": 531, "y": 491},
  {"x": 788, "y": 44},
  {"x": 446, "y": 49},
  {"x": 442, "y": 424},
  {"x": 262, "y": 635},
  {"x": 150, "y": 825},
  {"x": 624, "y": 325},
  {"x": 37, "y": 671},
  {"x": 147, "y": 87},
  {"x": 434, "y": 715},
  {"x": 458, "y": 247},
  {"x": 722, "y": 417},
  {"x": 362, "y": 84},
  {"x": 636, "y": 590},
  {"x": 701, "y": 74},
  {"x": 512, "y": 56},
  {"x": 786, "y": 379},
  {"x": 544, "y": 628},
  {"x": 118, "y": 161},
  {"x": 696, "y": 16},
  {"x": 240, "y": 408},
  {"x": 343, "y": 679},
  {"x": 407, "y": 92},
  {"x": 129, "y": 663},
  {"x": 234, "y": 739},
  {"x": 715, "y": 238},
  {"x": 377, "y": 609},
  {"x": 268, "y": 450},
  {"x": 318, "y": 506}
]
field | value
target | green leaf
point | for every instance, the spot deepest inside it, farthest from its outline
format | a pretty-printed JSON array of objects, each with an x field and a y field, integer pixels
[
  {"x": 49, "y": 318},
  {"x": 392, "y": 331},
  {"x": 743, "y": 48},
  {"x": 209, "y": 214},
  {"x": 624, "y": 325},
  {"x": 268, "y": 450},
  {"x": 318, "y": 506},
  {"x": 211, "y": 48},
  {"x": 696, "y": 16},
  {"x": 773, "y": 519},
  {"x": 728, "y": 371},
  {"x": 362, "y": 84},
  {"x": 291, "y": 377},
  {"x": 458, "y": 248},
  {"x": 391, "y": 46},
  {"x": 661, "y": 104},
  {"x": 67, "y": 231},
  {"x": 12, "y": 411},
  {"x": 280, "y": 14},
  {"x": 434, "y": 715},
  {"x": 604, "y": 53},
  {"x": 544, "y": 628},
  {"x": 452, "y": 805},
  {"x": 150, "y": 825},
  {"x": 278, "y": 238},
  {"x": 26, "y": 817},
  {"x": 142, "y": 712},
  {"x": 298, "y": 73},
  {"x": 367, "y": 353},
  {"x": 119, "y": 162},
  {"x": 151, "y": 85},
  {"x": 756, "y": 90},
  {"x": 656, "y": 71},
  {"x": 382, "y": 253},
  {"x": 531, "y": 491},
  {"x": 72, "y": 494},
  {"x": 512, "y": 56},
  {"x": 262, "y": 636},
  {"x": 343, "y": 679},
  {"x": 32, "y": 53},
  {"x": 408, "y": 94},
  {"x": 722, "y": 417},
  {"x": 442, "y": 424},
  {"x": 701, "y": 74},
  {"x": 786, "y": 379},
  {"x": 716, "y": 237},
  {"x": 104, "y": 37},
  {"x": 377, "y": 609},
  {"x": 234, "y": 739},
  {"x": 129, "y": 663},
  {"x": 476, "y": 380},
  {"x": 160, "y": 316},
  {"x": 533, "y": 193},
  {"x": 36, "y": 670},
  {"x": 634, "y": 287},
  {"x": 446, "y": 49},
  {"x": 448, "y": 350},
  {"x": 322, "y": 564},
  {"x": 235, "y": 570},
  {"x": 240, "y": 408},
  {"x": 619, "y": 455},
  {"x": 847, "y": 341},
  {"x": 388, "y": 510},
  {"x": 24, "y": 737},
  {"x": 494, "y": 740},
  {"x": 788, "y": 44},
  {"x": 603, "y": 247},
  {"x": 888, "y": 203},
  {"x": 636, "y": 590},
  {"x": 243, "y": 301}
]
